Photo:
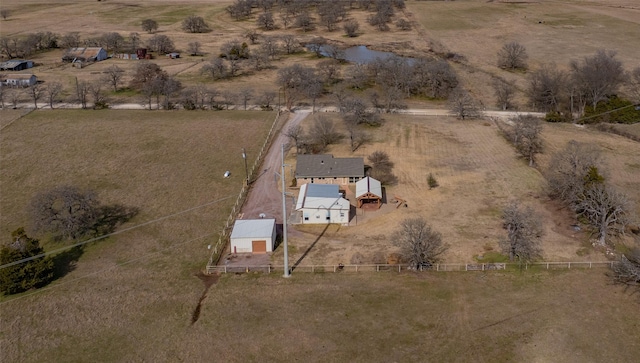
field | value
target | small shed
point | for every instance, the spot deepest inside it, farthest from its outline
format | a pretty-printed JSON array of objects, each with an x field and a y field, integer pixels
[
  {"x": 173, "y": 55},
  {"x": 19, "y": 80},
  {"x": 16, "y": 65},
  {"x": 369, "y": 192},
  {"x": 253, "y": 236}
]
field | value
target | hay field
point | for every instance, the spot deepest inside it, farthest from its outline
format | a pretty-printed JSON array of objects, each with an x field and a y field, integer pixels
[{"x": 479, "y": 173}]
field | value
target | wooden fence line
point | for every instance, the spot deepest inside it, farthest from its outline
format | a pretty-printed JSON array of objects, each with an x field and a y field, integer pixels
[
  {"x": 220, "y": 244},
  {"x": 441, "y": 267}
]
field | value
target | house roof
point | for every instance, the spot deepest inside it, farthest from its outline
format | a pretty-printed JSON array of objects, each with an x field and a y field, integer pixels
[
  {"x": 253, "y": 228},
  {"x": 13, "y": 63},
  {"x": 17, "y": 76},
  {"x": 321, "y": 196},
  {"x": 86, "y": 53},
  {"x": 325, "y": 165},
  {"x": 368, "y": 185}
]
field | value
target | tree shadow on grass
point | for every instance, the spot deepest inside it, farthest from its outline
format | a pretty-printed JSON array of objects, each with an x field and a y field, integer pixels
[
  {"x": 65, "y": 262},
  {"x": 110, "y": 217}
]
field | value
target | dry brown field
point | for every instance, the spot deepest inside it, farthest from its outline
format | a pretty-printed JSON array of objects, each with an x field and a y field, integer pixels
[
  {"x": 569, "y": 316},
  {"x": 552, "y": 31},
  {"x": 479, "y": 173},
  {"x": 132, "y": 297}
]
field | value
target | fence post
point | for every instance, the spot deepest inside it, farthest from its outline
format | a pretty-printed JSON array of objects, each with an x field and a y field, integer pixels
[
  {"x": 547, "y": 265},
  {"x": 569, "y": 264},
  {"x": 398, "y": 268}
]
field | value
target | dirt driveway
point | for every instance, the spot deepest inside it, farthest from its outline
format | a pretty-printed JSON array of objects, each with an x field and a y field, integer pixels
[{"x": 265, "y": 195}]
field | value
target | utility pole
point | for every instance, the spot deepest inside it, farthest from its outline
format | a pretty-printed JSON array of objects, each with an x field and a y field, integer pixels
[
  {"x": 284, "y": 221},
  {"x": 246, "y": 170}
]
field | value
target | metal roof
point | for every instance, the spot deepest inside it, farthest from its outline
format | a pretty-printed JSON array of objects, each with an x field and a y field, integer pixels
[
  {"x": 13, "y": 63},
  {"x": 321, "y": 196},
  {"x": 368, "y": 185},
  {"x": 18, "y": 76},
  {"x": 325, "y": 165},
  {"x": 253, "y": 228}
]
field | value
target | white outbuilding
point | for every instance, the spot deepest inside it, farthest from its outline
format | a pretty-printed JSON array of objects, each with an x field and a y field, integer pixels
[
  {"x": 322, "y": 204},
  {"x": 253, "y": 236}
]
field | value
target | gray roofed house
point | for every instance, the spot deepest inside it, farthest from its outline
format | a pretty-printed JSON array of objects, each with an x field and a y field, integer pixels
[{"x": 325, "y": 169}]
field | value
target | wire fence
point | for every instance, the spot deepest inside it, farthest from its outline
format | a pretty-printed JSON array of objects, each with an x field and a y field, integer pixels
[
  {"x": 441, "y": 267},
  {"x": 218, "y": 248}
]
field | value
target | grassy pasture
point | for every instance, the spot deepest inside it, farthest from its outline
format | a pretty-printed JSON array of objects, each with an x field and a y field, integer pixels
[{"x": 571, "y": 316}]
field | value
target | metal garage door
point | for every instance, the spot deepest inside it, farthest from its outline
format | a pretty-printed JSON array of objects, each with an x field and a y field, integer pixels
[{"x": 259, "y": 246}]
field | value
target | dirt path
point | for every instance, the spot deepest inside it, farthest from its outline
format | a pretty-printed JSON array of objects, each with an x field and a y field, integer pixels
[{"x": 265, "y": 196}]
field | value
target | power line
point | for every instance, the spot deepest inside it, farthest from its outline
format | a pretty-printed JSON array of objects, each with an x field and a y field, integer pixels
[
  {"x": 14, "y": 263},
  {"x": 107, "y": 268}
]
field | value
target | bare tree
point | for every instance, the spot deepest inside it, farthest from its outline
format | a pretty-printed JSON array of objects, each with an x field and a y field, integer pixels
[
  {"x": 290, "y": 43},
  {"x": 134, "y": 41},
  {"x": 546, "y": 88},
  {"x": 149, "y": 25},
  {"x": 194, "y": 48},
  {"x": 266, "y": 22},
  {"x": 5, "y": 13},
  {"x": 313, "y": 89},
  {"x": 66, "y": 211},
  {"x": 293, "y": 80},
  {"x": 98, "y": 96},
  {"x": 323, "y": 132},
  {"x": 52, "y": 92},
  {"x": 195, "y": 24},
  {"x": 252, "y": 35},
  {"x": 569, "y": 168},
  {"x": 606, "y": 209},
  {"x": 82, "y": 93},
  {"x": 216, "y": 68},
  {"x": 504, "y": 92},
  {"x": 170, "y": 88},
  {"x": 14, "y": 97},
  {"x": 382, "y": 168},
  {"x": 512, "y": 55},
  {"x": 420, "y": 245},
  {"x": 295, "y": 133},
  {"x": 462, "y": 105},
  {"x": 270, "y": 47},
  {"x": 235, "y": 53},
  {"x": 35, "y": 91},
  {"x": 330, "y": 13},
  {"x": 329, "y": 69},
  {"x": 304, "y": 21},
  {"x": 527, "y": 136},
  {"x": 351, "y": 28},
  {"x": 246, "y": 94},
  {"x": 113, "y": 76},
  {"x": 627, "y": 270},
  {"x": 160, "y": 43},
  {"x": 598, "y": 76},
  {"x": 145, "y": 72},
  {"x": 266, "y": 100},
  {"x": 524, "y": 233},
  {"x": 112, "y": 41},
  {"x": 70, "y": 40}
]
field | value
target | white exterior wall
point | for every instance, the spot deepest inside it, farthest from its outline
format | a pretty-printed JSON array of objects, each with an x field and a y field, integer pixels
[
  {"x": 319, "y": 216},
  {"x": 245, "y": 245}
]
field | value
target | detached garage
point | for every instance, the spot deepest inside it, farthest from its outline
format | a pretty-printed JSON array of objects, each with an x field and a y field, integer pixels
[{"x": 253, "y": 236}]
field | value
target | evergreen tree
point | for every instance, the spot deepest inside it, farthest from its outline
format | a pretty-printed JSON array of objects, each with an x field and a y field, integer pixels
[{"x": 27, "y": 275}]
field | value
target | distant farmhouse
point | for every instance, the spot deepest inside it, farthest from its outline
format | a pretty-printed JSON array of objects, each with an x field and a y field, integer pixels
[
  {"x": 18, "y": 80},
  {"x": 325, "y": 169},
  {"x": 322, "y": 204},
  {"x": 16, "y": 65},
  {"x": 84, "y": 55}
]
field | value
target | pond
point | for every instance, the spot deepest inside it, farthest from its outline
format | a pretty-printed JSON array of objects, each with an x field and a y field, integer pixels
[{"x": 359, "y": 54}]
